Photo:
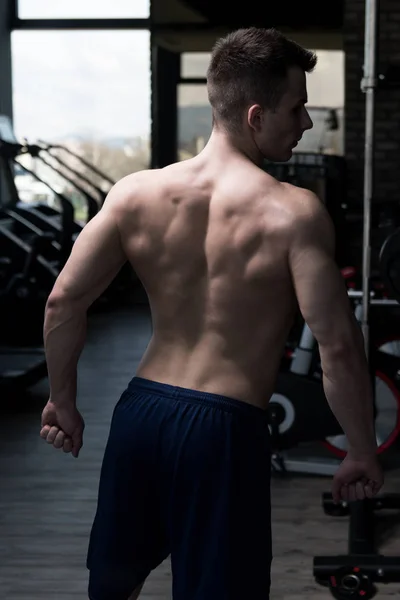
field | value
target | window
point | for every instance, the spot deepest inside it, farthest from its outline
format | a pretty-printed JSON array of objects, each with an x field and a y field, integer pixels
[
  {"x": 326, "y": 105},
  {"x": 83, "y": 9},
  {"x": 194, "y": 119},
  {"x": 326, "y": 84},
  {"x": 194, "y": 64},
  {"x": 88, "y": 90}
]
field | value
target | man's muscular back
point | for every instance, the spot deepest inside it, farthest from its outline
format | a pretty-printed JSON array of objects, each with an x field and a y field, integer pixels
[
  {"x": 224, "y": 251},
  {"x": 210, "y": 245}
]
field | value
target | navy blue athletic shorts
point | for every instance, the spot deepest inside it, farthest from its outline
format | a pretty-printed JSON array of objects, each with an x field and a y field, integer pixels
[{"x": 185, "y": 474}]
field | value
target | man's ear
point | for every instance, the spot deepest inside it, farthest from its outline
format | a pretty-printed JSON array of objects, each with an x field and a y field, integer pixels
[{"x": 255, "y": 117}]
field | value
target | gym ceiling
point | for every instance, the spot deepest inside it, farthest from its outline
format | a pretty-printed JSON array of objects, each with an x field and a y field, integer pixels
[{"x": 193, "y": 25}]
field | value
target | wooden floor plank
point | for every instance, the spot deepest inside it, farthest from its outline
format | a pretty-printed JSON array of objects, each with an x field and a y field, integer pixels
[{"x": 47, "y": 499}]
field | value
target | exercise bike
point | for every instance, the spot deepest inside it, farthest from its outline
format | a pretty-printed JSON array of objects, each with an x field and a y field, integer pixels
[
  {"x": 299, "y": 412},
  {"x": 353, "y": 575}
]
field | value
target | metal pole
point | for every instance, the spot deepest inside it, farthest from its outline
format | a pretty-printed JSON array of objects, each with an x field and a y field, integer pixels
[{"x": 368, "y": 85}]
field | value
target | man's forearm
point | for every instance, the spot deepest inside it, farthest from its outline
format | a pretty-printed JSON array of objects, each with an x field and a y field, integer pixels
[
  {"x": 348, "y": 389},
  {"x": 64, "y": 339}
]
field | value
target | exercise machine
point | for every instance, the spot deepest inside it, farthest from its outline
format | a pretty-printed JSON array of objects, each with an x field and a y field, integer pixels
[
  {"x": 21, "y": 368},
  {"x": 389, "y": 262},
  {"x": 101, "y": 193},
  {"x": 26, "y": 230},
  {"x": 92, "y": 205},
  {"x": 27, "y": 279},
  {"x": 22, "y": 275},
  {"x": 61, "y": 224},
  {"x": 300, "y": 414},
  {"x": 64, "y": 224},
  {"x": 80, "y": 158},
  {"x": 54, "y": 152},
  {"x": 353, "y": 575}
]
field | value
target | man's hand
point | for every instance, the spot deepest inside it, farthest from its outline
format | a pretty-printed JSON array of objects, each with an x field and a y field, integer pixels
[
  {"x": 62, "y": 426},
  {"x": 357, "y": 478}
]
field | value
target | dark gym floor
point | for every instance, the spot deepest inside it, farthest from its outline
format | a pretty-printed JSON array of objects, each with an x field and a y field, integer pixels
[{"x": 47, "y": 498}]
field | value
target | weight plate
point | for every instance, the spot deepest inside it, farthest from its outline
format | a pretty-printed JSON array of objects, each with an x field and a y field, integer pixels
[{"x": 351, "y": 583}]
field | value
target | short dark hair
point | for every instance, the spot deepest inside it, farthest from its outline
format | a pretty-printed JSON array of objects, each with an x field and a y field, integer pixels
[{"x": 250, "y": 66}]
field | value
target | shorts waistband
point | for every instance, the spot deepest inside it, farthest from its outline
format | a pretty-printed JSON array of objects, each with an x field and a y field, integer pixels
[{"x": 139, "y": 384}]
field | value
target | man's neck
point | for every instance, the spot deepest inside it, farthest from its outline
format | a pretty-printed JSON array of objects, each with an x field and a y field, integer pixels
[{"x": 222, "y": 142}]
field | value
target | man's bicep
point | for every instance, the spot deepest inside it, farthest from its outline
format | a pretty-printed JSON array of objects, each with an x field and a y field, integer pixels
[
  {"x": 96, "y": 258},
  {"x": 319, "y": 286}
]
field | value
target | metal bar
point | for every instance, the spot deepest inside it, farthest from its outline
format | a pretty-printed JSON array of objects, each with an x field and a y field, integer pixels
[
  {"x": 384, "y": 302},
  {"x": 376, "y": 302},
  {"x": 86, "y": 163},
  {"x": 226, "y": 24},
  {"x": 65, "y": 24},
  {"x": 146, "y": 23},
  {"x": 12, "y": 14},
  {"x": 91, "y": 203},
  {"x": 361, "y": 527},
  {"x": 7, "y": 168},
  {"x": 310, "y": 465},
  {"x": 358, "y": 294},
  {"x": 379, "y": 568},
  {"x": 192, "y": 81},
  {"x": 368, "y": 85}
]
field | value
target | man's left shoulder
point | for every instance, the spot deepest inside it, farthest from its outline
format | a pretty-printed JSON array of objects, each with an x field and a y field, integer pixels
[
  {"x": 130, "y": 190},
  {"x": 133, "y": 183}
]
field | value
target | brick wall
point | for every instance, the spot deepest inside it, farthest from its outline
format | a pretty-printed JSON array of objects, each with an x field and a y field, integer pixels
[{"x": 387, "y": 149}]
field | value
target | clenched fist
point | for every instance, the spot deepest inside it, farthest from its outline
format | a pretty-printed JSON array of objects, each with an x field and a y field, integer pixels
[{"x": 62, "y": 426}]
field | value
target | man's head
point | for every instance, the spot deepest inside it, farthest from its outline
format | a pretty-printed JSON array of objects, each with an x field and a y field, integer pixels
[{"x": 257, "y": 87}]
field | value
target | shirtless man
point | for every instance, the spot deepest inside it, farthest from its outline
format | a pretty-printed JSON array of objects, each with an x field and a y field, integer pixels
[{"x": 223, "y": 251}]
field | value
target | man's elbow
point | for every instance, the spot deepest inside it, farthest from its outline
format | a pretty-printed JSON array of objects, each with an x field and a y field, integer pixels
[
  {"x": 346, "y": 348},
  {"x": 338, "y": 351},
  {"x": 59, "y": 301}
]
